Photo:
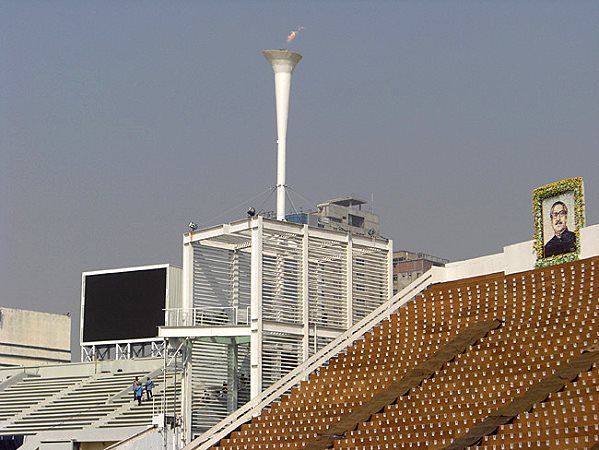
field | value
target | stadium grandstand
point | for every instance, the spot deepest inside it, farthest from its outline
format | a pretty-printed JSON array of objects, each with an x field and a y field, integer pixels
[
  {"x": 81, "y": 405},
  {"x": 500, "y": 359}
]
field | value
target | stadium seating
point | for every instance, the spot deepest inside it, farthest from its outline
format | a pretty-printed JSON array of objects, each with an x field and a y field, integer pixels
[
  {"x": 549, "y": 323},
  {"x": 39, "y": 403},
  {"x": 30, "y": 392}
]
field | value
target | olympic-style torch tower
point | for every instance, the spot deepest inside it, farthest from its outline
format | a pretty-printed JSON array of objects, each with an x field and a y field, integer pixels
[
  {"x": 249, "y": 312},
  {"x": 283, "y": 62}
]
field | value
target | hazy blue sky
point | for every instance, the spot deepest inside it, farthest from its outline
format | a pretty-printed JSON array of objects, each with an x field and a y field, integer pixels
[{"x": 121, "y": 121}]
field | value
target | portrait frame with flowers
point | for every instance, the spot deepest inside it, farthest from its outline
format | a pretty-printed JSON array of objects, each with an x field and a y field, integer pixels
[{"x": 571, "y": 193}]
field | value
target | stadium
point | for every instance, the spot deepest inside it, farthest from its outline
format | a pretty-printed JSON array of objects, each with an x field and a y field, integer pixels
[{"x": 283, "y": 335}]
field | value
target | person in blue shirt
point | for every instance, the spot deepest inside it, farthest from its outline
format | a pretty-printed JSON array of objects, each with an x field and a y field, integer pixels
[
  {"x": 138, "y": 390},
  {"x": 136, "y": 382},
  {"x": 149, "y": 385}
]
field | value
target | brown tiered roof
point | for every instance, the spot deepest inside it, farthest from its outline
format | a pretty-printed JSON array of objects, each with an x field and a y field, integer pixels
[{"x": 495, "y": 362}]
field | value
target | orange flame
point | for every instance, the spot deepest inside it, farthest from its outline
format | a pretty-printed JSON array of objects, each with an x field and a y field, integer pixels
[{"x": 293, "y": 34}]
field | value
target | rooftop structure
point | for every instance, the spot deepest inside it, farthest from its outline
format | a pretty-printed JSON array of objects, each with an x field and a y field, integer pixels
[
  {"x": 342, "y": 214},
  {"x": 346, "y": 202}
]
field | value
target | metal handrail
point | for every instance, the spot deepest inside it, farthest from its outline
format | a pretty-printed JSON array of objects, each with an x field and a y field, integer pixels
[
  {"x": 202, "y": 316},
  {"x": 269, "y": 395}
]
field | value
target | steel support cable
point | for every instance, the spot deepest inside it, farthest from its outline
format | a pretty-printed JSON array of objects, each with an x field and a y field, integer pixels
[{"x": 270, "y": 190}]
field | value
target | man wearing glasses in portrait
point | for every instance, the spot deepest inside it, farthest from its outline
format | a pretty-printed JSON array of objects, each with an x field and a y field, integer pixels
[{"x": 564, "y": 240}]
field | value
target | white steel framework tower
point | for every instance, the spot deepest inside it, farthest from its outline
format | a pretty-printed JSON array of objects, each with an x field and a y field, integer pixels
[{"x": 260, "y": 297}]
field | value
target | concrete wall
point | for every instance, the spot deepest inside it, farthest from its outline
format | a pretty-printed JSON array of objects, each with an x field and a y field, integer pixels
[
  {"x": 514, "y": 258},
  {"x": 151, "y": 439},
  {"x": 88, "y": 439},
  {"x": 94, "y": 445},
  {"x": 31, "y": 337},
  {"x": 589, "y": 240}
]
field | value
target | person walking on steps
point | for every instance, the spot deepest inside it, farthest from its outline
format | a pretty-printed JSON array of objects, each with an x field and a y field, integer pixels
[
  {"x": 149, "y": 385},
  {"x": 136, "y": 382},
  {"x": 139, "y": 390}
]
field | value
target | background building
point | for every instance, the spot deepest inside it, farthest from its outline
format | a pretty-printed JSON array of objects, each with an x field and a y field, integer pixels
[
  {"x": 407, "y": 266},
  {"x": 33, "y": 338},
  {"x": 343, "y": 214}
]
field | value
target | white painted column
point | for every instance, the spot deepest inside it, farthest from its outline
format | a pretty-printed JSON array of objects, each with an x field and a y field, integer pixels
[
  {"x": 306, "y": 293},
  {"x": 350, "y": 282},
  {"x": 390, "y": 263},
  {"x": 187, "y": 282},
  {"x": 81, "y": 315},
  {"x": 256, "y": 309},
  {"x": 187, "y": 304}
]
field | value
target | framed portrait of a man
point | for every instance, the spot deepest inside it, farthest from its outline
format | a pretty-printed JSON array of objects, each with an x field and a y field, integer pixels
[{"x": 558, "y": 210}]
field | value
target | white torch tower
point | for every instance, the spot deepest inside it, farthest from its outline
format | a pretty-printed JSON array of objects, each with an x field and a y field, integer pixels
[{"x": 283, "y": 62}]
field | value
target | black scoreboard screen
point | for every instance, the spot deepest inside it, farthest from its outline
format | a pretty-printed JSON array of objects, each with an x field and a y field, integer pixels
[{"x": 124, "y": 305}]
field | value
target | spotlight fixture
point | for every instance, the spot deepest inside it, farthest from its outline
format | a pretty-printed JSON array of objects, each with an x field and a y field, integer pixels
[
  {"x": 193, "y": 226},
  {"x": 251, "y": 212}
]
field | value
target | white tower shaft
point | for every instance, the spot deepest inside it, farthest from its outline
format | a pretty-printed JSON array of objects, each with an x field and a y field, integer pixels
[{"x": 283, "y": 62}]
